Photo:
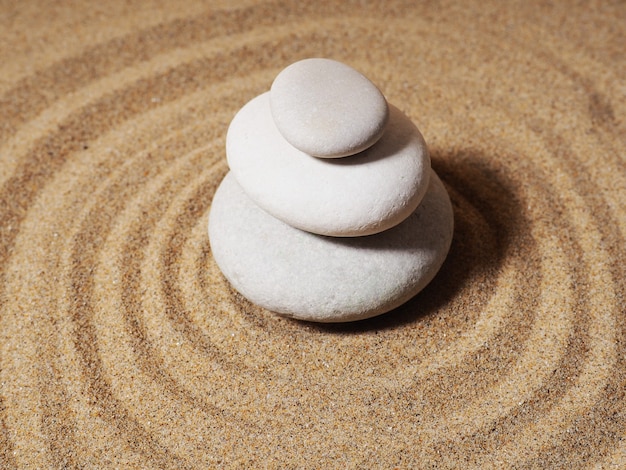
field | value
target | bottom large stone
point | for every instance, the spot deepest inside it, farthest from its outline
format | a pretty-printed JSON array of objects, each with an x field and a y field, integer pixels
[{"x": 325, "y": 279}]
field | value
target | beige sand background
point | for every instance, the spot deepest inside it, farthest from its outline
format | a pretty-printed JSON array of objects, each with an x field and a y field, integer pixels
[{"x": 123, "y": 347}]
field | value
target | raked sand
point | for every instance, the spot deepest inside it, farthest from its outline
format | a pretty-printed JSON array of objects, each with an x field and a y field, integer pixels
[{"x": 121, "y": 344}]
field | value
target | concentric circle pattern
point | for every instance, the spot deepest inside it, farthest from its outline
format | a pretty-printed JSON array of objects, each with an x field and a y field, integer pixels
[{"x": 122, "y": 346}]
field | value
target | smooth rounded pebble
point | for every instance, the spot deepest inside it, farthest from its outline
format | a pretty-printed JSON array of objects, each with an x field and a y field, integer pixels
[
  {"x": 327, "y": 109},
  {"x": 326, "y": 279},
  {"x": 359, "y": 195}
]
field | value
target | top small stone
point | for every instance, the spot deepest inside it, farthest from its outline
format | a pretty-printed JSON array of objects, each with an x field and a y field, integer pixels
[{"x": 327, "y": 109}]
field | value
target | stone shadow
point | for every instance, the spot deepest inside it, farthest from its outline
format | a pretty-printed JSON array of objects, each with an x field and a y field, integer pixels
[{"x": 487, "y": 216}]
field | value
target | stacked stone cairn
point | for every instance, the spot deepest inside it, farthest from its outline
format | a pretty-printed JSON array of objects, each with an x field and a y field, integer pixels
[{"x": 330, "y": 211}]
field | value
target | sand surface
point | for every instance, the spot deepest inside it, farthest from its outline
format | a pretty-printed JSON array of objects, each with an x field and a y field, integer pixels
[{"x": 122, "y": 346}]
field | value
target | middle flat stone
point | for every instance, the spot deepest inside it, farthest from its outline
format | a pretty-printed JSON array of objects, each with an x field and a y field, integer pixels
[{"x": 363, "y": 194}]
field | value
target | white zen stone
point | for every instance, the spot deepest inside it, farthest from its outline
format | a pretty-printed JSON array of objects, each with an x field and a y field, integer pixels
[
  {"x": 327, "y": 109},
  {"x": 325, "y": 279},
  {"x": 358, "y": 195}
]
